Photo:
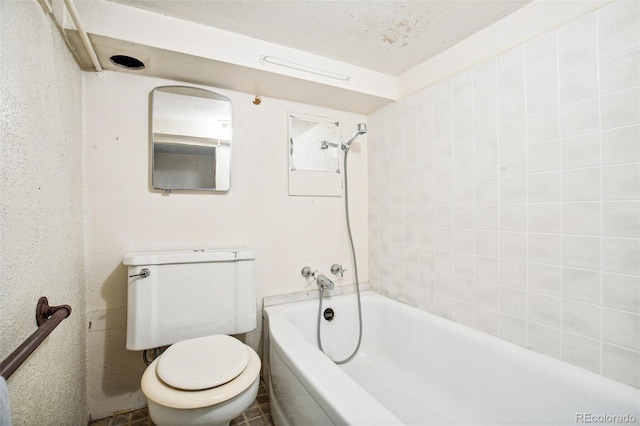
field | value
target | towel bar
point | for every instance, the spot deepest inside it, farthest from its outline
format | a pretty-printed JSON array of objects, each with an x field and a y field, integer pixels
[{"x": 47, "y": 319}]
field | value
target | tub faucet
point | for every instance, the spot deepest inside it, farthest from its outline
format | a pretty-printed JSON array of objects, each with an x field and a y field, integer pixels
[{"x": 325, "y": 282}]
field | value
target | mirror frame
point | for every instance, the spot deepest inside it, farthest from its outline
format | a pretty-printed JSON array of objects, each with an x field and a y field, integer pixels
[
  {"x": 199, "y": 93},
  {"x": 321, "y": 183}
]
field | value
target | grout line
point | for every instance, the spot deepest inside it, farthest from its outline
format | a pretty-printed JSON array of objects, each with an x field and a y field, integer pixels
[
  {"x": 599, "y": 94},
  {"x": 561, "y": 172},
  {"x": 527, "y": 204}
]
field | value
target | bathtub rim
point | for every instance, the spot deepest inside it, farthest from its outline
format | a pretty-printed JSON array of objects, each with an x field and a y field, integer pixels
[
  {"x": 310, "y": 365},
  {"x": 273, "y": 312}
]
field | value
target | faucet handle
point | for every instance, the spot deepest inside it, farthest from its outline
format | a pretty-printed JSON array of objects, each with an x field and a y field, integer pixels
[
  {"x": 338, "y": 269},
  {"x": 307, "y": 272}
]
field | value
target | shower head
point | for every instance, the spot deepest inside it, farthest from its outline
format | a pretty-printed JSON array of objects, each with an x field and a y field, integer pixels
[{"x": 360, "y": 130}]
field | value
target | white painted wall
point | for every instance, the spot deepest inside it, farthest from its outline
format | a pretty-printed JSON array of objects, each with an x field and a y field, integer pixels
[
  {"x": 41, "y": 214},
  {"x": 123, "y": 215}
]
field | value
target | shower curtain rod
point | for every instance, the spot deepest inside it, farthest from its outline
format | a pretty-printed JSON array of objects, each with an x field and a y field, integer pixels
[{"x": 47, "y": 319}]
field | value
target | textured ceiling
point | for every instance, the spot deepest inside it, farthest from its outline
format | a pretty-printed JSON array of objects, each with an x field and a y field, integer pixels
[{"x": 386, "y": 36}]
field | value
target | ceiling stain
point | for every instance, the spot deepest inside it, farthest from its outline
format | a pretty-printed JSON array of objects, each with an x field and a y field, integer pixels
[
  {"x": 388, "y": 36},
  {"x": 389, "y": 39},
  {"x": 401, "y": 32}
]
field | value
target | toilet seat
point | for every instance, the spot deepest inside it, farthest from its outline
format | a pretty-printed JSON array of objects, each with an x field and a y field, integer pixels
[
  {"x": 202, "y": 363},
  {"x": 159, "y": 392}
]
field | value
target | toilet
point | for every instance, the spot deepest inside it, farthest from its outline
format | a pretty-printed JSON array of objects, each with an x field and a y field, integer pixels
[{"x": 192, "y": 301}]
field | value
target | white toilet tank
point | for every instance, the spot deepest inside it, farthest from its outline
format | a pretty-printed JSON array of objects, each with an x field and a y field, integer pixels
[{"x": 188, "y": 294}]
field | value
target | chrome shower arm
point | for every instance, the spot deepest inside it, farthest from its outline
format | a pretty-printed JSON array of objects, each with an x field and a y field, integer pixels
[
  {"x": 360, "y": 130},
  {"x": 350, "y": 141},
  {"x": 327, "y": 144}
]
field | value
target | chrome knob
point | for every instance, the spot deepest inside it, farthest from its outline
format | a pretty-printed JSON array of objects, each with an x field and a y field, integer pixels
[
  {"x": 144, "y": 273},
  {"x": 337, "y": 269},
  {"x": 307, "y": 272}
]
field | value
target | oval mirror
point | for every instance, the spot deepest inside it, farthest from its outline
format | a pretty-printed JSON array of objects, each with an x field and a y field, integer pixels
[{"x": 191, "y": 139}]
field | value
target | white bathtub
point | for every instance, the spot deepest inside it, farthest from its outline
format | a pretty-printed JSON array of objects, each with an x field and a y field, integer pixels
[{"x": 419, "y": 369}]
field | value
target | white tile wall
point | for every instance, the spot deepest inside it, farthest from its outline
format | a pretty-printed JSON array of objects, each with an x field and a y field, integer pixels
[{"x": 507, "y": 197}]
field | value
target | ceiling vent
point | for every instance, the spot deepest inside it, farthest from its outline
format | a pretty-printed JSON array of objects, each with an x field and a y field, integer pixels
[{"x": 127, "y": 62}]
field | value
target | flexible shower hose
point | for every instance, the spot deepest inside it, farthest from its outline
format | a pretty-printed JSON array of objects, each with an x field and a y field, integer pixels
[{"x": 355, "y": 272}]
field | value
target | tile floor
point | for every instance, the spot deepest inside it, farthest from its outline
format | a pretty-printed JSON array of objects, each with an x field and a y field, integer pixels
[{"x": 258, "y": 414}]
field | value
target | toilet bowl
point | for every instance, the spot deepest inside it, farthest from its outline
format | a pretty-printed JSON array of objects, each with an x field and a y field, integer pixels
[{"x": 204, "y": 381}]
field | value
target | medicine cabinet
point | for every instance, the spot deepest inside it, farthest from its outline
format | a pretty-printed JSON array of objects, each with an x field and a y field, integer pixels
[
  {"x": 191, "y": 139},
  {"x": 314, "y": 170}
]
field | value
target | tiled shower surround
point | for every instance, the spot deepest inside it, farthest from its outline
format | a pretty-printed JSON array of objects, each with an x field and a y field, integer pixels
[{"x": 506, "y": 197}]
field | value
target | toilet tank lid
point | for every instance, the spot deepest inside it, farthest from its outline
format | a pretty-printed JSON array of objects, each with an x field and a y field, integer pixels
[{"x": 186, "y": 256}]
